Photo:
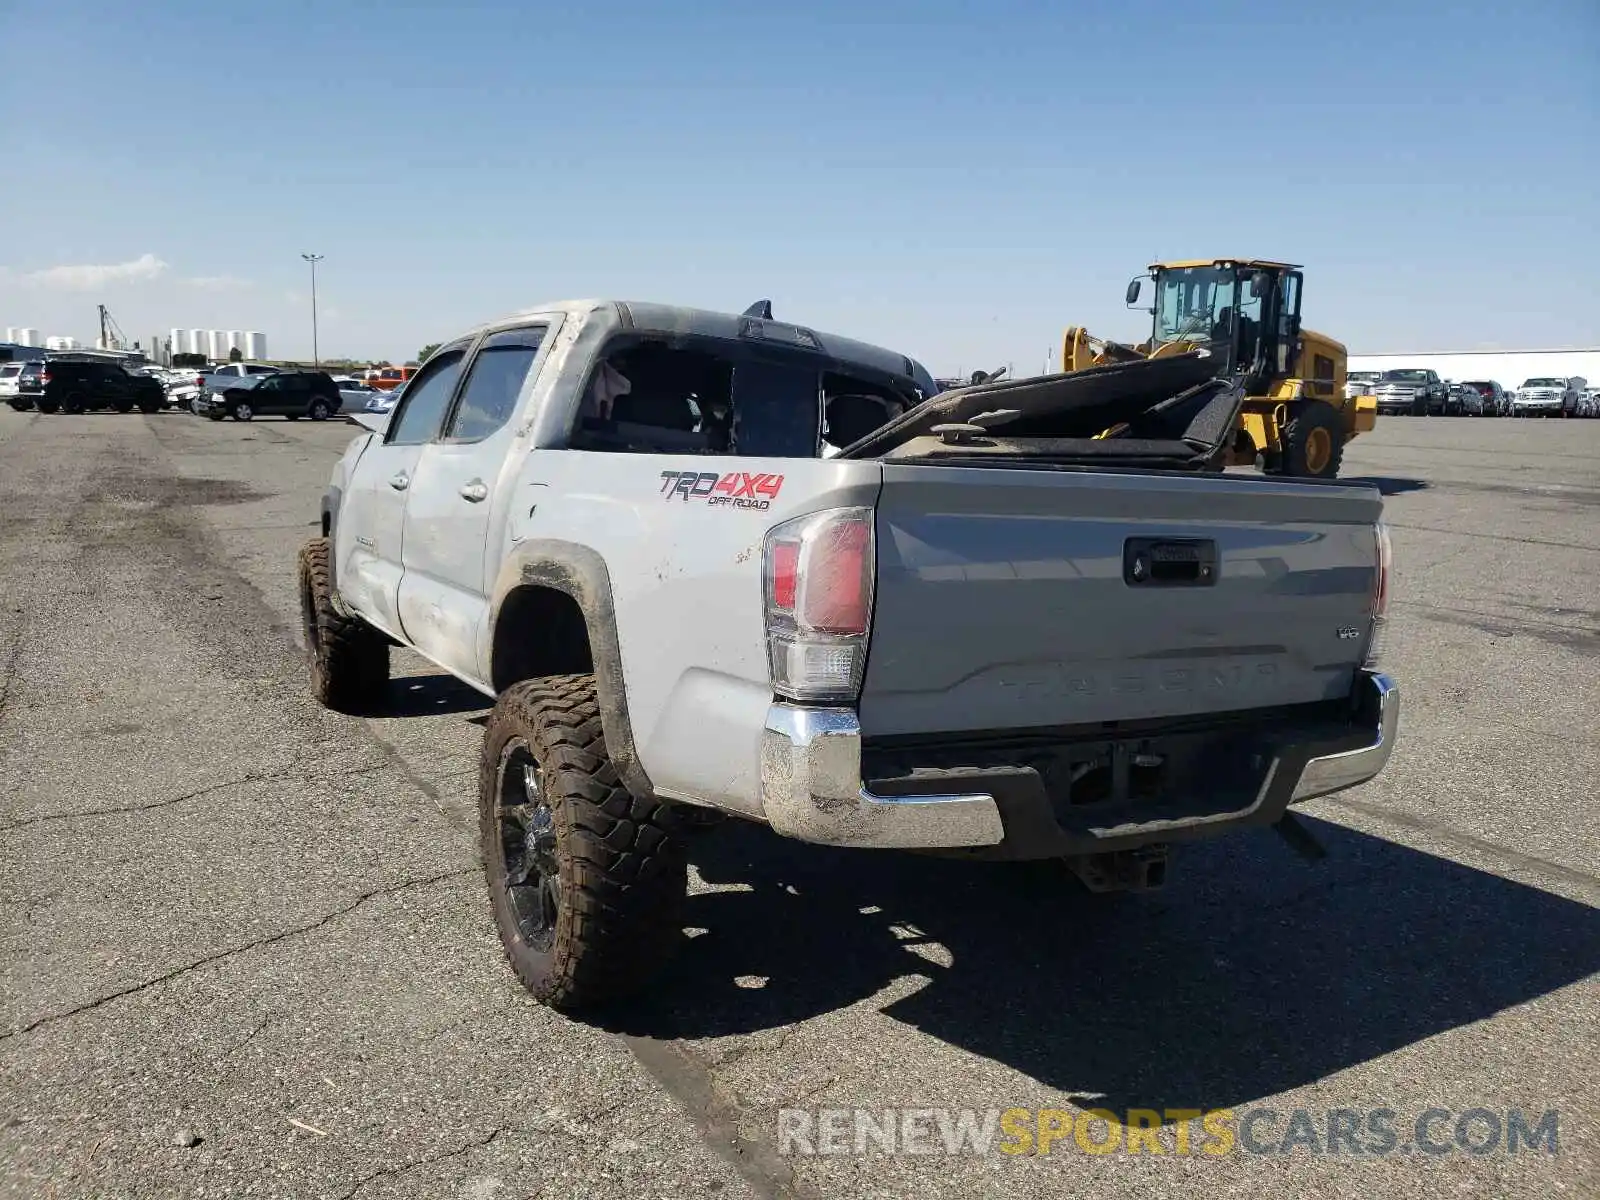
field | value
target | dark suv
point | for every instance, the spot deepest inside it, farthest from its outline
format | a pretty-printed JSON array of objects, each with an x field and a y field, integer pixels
[
  {"x": 291, "y": 394},
  {"x": 78, "y": 385}
]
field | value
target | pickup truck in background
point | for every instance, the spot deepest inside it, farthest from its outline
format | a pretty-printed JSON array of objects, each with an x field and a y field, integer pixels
[
  {"x": 1021, "y": 620},
  {"x": 216, "y": 381},
  {"x": 1415, "y": 390}
]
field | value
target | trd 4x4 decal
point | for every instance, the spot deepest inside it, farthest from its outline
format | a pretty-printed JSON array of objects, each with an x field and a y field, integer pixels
[{"x": 737, "y": 489}]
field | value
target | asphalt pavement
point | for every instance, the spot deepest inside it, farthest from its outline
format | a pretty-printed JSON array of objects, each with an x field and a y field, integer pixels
[{"x": 245, "y": 948}]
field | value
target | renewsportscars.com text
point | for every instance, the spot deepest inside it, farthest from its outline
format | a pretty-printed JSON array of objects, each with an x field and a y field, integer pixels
[{"x": 1373, "y": 1132}]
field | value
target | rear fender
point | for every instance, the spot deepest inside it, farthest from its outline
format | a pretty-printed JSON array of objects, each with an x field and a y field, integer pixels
[{"x": 580, "y": 573}]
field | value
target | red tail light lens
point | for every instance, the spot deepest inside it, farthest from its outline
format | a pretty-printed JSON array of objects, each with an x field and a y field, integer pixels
[
  {"x": 785, "y": 572},
  {"x": 837, "y": 586}
]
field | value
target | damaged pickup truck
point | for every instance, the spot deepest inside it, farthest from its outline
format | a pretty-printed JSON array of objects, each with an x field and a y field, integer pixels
[{"x": 712, "y": 564}]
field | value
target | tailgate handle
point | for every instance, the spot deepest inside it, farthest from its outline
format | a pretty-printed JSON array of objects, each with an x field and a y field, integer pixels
[{"x": 1169, "y": 562}]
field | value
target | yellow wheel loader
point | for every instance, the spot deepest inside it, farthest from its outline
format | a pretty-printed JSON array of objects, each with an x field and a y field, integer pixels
[{"x": 1246, "y": 313}]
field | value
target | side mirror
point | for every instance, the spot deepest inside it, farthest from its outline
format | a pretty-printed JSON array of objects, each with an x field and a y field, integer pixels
[
  {"x": 1134, "y": 288},
  {"x": 1260, "y": 284}
]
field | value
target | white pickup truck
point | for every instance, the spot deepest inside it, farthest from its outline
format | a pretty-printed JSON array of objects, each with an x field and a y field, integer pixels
[{"x": 711, "y": 564}]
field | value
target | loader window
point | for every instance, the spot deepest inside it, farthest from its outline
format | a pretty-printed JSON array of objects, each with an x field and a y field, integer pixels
[{"x": 1195, "y": 304}]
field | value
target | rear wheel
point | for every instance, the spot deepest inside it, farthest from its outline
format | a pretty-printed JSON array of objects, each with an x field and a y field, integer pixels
[
  {"x": 241, "y": 411},
  {"x": 1313, "y": 441},
  {"x": 349, "y": 659},
  {"x": 48, "y": 406},
  {"x": 75, "y": 402},
  {"x": 149, "y": 406},
  {"x": 319, "y": 410},
  {"x": 586, "y": 881}
]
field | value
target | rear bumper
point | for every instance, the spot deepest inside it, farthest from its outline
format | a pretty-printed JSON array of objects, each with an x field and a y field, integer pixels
[{"x": 812, "y": 789}]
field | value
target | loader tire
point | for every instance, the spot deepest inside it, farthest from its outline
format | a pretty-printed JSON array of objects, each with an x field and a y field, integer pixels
[
  {"x": 586, "y": 881},
  {"x": 1313, "y": 442},
  {"x": 348, "y": 659}
]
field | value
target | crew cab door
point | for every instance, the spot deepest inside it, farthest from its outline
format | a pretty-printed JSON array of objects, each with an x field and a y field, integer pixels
[
  {"x": 456, "y": 499},
  {"x": 372, "y": 513}
]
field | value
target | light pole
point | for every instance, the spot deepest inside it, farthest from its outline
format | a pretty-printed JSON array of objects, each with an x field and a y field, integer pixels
[{"x": 316, "y": 357}]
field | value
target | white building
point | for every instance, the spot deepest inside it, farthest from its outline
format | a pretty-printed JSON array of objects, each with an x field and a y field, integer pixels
[
  {"x": 1508, "y": 368},
  {"x": 255, "y": 346}
]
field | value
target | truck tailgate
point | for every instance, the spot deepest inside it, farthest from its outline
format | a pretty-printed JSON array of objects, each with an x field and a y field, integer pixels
[{"x": 1012, "y": 598}]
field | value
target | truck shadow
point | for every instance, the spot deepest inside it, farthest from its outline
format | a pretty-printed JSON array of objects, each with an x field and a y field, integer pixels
[
  {"x": 1254, "y": 972},
  {"x": 1390, "y": 485}
]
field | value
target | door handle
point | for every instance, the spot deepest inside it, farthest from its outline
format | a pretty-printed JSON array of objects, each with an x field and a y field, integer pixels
[
  {"x": 476, "y": 491},
  {"x": 400, "y": 481}
]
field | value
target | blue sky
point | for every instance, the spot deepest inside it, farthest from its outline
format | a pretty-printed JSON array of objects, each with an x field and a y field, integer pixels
[{"x": 956, "y": 180}]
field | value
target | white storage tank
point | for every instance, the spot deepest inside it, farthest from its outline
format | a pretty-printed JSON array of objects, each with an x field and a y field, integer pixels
[
  {"x": 11, "y": 333},
  {"x": 255, "y": 346},
  {"x": 235, "y": 341},
  {"x": 27, "y": 337},
  {"x": 60, "y": 343},
  {"x": 217, "y": 344},
  {"x": 175, "y": 341},
  {"x": 196, "y": 341}
]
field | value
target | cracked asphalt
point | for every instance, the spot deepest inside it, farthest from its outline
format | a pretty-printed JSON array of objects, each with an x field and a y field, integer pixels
[{"x": 229, "y": 915}]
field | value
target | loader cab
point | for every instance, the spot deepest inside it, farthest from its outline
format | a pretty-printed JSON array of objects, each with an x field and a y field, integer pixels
[{"x": 1244, "y": 311}]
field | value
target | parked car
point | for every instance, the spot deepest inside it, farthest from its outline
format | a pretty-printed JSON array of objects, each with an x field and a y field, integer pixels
[
  {"x": 1415, "y": 390},
  {"x": 19, "y": 383},
  {"x": 76, "y": 385},
  {"x": 354, "y": 392},
  {"x": 634, "y": 544},
  {"x": 1549, "y": 396},
  {"x": 1589, "y": 406},
  {"x": 384, "y": 402},
  {"x": 291, "y": 394},
  {"x": 1484, "y": 398},
  {"x": 1360, "y": 383},
  {"x": 1455, "y": 400}
]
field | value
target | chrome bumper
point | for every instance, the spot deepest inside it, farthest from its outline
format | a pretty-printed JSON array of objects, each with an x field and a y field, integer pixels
[
  {"x": 811, "y": 786},
  {"x": 1335, "y": 772},
  {"x": 811, "y": 790}
]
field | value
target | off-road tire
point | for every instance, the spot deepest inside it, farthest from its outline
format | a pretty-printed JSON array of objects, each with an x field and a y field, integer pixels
[
  {"x": 349, "y": 659},
  {"x": 1313, "y": 416},
  {"x": 621, "y": 875}
]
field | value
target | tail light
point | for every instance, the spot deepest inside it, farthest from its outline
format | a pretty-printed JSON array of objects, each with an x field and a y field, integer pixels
[
  {"x": 44, "y": 378},
  {"x": 1380, "y": 596},
  {"x": 818, "y": 573}
]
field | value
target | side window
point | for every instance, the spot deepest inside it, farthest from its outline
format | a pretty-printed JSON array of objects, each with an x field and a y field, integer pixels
[
  {"x": 494, "y": 382},
  {"x": 1322, "y": 375},
  {"x": 422, "y": 405}
]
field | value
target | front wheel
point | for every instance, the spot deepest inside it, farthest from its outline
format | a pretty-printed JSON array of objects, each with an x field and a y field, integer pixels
[
  {"x": 1313, "y": 441},
  {"x": 240, "y": 411},
  {"x": 349, "y": 659},
  {"x": 586, "y": 881}
]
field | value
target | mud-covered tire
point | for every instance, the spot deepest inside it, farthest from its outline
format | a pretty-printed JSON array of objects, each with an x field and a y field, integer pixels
[
  {"x": 1313, "y": 442},
  {"x": 348, "y": 659},
  {"x": 604, "y": 913}
]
